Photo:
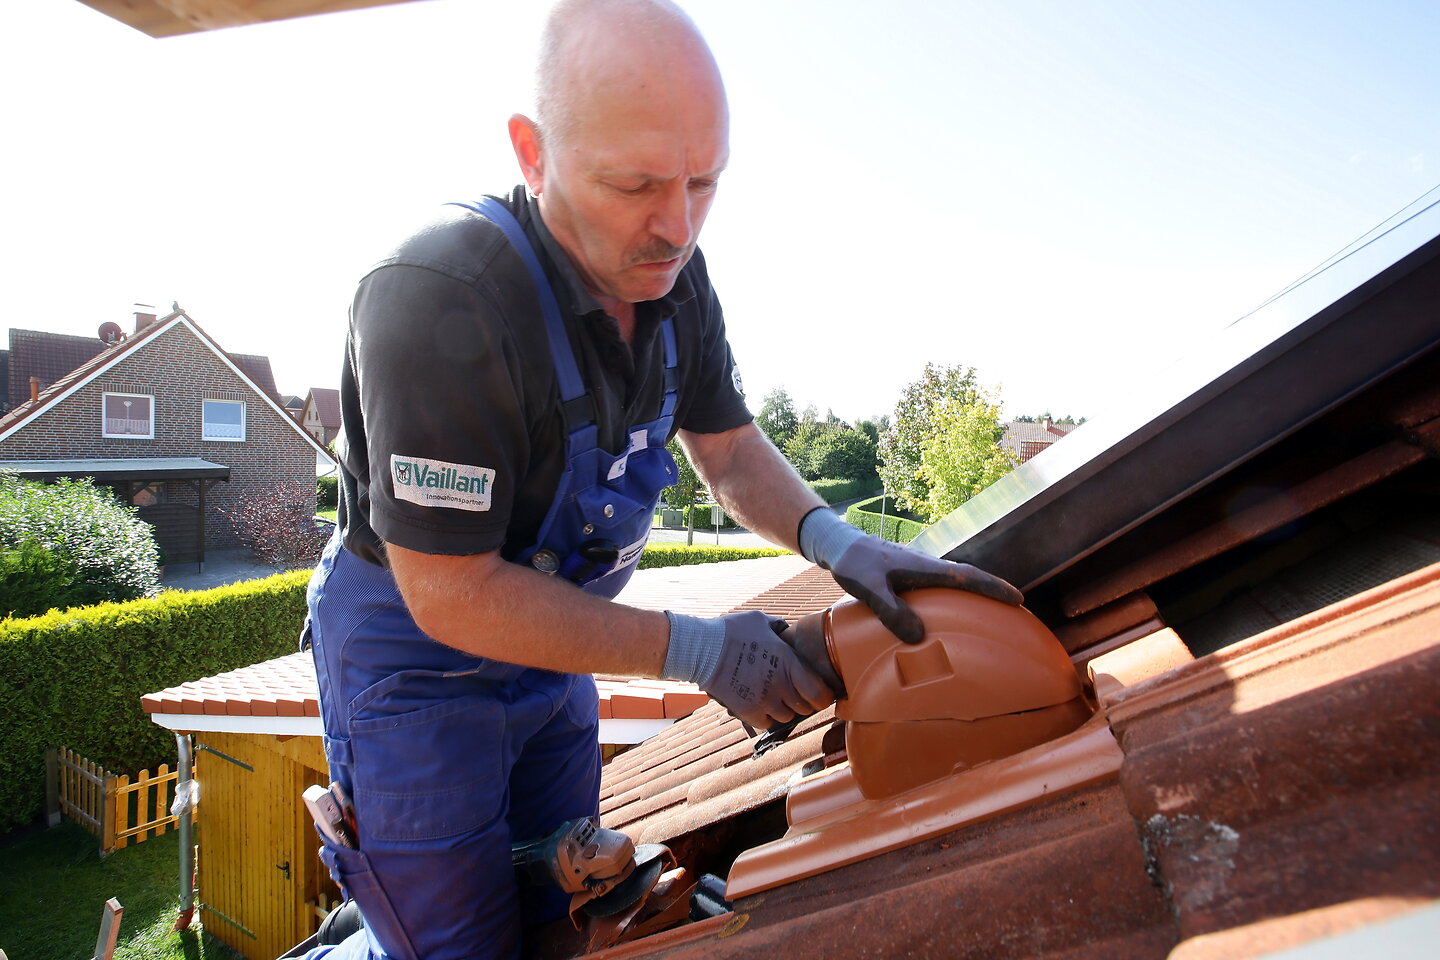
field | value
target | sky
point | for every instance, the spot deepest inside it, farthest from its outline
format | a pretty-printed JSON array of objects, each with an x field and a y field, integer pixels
[{"x": 1063, "y": 195}]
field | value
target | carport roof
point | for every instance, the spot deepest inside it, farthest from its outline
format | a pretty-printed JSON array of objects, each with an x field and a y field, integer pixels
[{"x": 139, "y": 468}]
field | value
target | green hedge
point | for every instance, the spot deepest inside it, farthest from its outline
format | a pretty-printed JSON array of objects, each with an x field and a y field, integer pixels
[
  {"x": 327, "y": 492},
  {"x": 75, "y": 678},
  {"x": 835, "y": 491},
  {"x": 678, "y": 554},
  {"x": 702, "y": 518},
  {"x": 900, "y": 527}
]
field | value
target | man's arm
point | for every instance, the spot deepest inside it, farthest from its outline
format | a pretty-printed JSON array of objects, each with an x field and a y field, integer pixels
[
  {"x": 753, "y": 481},
  {"x": 491, "y": 608}
]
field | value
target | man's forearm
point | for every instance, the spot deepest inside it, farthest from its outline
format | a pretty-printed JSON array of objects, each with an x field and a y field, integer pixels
[
  {"x": 491, "y": 608},
  {"x": 753, "y": 481}
]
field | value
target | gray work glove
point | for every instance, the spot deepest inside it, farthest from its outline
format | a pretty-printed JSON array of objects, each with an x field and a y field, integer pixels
[
  {"x": 874, "y": 571},
  {"x": 740, "y": 660}
]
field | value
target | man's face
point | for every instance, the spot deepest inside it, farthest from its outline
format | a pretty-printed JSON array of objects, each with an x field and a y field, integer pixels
[{"x": 629, "y": 184}]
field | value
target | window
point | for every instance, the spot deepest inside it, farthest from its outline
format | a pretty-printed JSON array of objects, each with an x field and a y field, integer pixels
[
  {"x": 128, "y": 415},
  {"x": 224, "y": 420},
  {"x": 148, "y": 494}
]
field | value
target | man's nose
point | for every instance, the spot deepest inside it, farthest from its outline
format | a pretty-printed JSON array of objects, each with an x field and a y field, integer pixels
[{"x": 673, "y": 216}]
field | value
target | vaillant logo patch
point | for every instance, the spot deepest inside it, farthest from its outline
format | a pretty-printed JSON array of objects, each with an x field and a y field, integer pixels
[{"x": 436, "y": 483}]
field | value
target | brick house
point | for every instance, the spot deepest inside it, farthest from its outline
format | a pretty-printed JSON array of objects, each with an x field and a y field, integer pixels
[
  {"x": 164, "y": 417},
  {"x": 321, "y": 414}
]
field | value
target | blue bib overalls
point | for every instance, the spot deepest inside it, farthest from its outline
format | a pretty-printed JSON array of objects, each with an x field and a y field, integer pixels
[{"x": 450, "y": 758}]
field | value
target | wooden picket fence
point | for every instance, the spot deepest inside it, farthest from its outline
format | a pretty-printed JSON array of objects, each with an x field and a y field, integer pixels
[{"x": 117, "y": 809}]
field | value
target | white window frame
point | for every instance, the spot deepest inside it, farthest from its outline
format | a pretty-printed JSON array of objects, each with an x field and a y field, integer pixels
[
  {"x": 204, "y": 424},
  {"x": 105, "y": 423}
]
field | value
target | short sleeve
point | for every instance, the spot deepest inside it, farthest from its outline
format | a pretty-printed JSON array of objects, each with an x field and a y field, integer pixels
[
  {"x": 440, "y": 396},
  {"x": 717, "y": 402}
]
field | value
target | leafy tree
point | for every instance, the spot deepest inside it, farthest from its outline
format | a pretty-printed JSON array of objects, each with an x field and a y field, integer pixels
[
  {"x": 776, "y": 418},
  {"x": 843, "y": 455},
  {"x": 687, "y": 490},
  {"x": 874, "y": 429},
  {"x": 276, "y": 523},
  {"x": 74, "y": 540},
  {"x": 901, "y": 446},
  {"x": 961, "y": 455}
]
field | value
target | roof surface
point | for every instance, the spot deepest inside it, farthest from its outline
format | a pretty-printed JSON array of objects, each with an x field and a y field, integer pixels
[
  {"x": 286, "y": 686},
  {"x": 327, "y": 406},
  {"x": 1258, "y": 797},
  {"x": 167, "y": 18},
  {"x": 149, "y": 466},
  {"x": 109, "y": 355},
  {"x": 46, "y": 356}
]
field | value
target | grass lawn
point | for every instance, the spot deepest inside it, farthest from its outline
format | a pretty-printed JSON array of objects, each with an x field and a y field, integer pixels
[
  {"x": 327, "y": 514},
  {"x": 54, "y": 884}
]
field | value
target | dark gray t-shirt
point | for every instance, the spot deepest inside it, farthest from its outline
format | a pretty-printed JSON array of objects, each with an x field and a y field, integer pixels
[{"x": 448, "y": 375}]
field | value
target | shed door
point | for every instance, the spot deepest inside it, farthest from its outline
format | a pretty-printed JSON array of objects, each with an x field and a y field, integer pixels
[{"x": 247, "y": 825}]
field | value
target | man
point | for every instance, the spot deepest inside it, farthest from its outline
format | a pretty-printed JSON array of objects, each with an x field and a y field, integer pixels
[{"x": 512, "y": 375}]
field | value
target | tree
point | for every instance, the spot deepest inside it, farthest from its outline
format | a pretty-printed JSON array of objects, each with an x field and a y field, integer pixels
[
  {"x": 901, "y": 445},
  {"x": 961, "y": 455},
  {"x": 276, "y": 524},
  {"x": 70, "y": 543},
  {"x": 776, "y": 418},
  {"x": 687, "y": 490}
]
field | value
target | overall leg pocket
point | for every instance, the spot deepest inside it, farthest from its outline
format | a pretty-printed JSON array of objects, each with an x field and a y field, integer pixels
[
  {"x": 430, "y": 773},
  {"x": 351, "y": 869}
]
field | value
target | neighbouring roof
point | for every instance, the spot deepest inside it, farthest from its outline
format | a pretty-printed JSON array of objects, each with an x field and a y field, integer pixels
[
  {"x": 166, "y": 18},
  {"x": 327, "y": 406},
  {"x": 258, "y": 370},
  {"x": 108, "y": 355},
  {"x": 281, "y": 696},
  {"x": 1025, "y": 439},
  {"x": 45, "y": 356},
  {"x": 151, "y": 468}
]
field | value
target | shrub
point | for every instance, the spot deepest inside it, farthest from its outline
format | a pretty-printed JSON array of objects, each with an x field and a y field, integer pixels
[
  {"x": 76, "y": 678},
  {"x": 898, "y": 525},
  {"x": 33, "y": 580},
  {"x": 679, "y": 555},
  {"x": 277, "y": 524},
  {"x": 701, "y": 514},
  {"x": 327, "y": 492},
  {"x": 835, "y": 491},
  {"x": 102, "y": 550}
]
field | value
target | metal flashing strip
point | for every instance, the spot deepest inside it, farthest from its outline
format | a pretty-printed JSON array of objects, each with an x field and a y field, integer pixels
[
  {"x": 214, "y": 723},
  {"x": 1261, "y": 379}
]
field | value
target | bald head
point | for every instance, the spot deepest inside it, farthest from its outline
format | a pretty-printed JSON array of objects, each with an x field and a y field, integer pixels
[
  {"x": 628, "y": 143},
  {"x": 602, "y": 51}
]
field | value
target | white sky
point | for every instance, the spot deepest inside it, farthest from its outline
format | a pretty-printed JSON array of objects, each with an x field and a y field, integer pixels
[{"x": 1059, "y": 194}]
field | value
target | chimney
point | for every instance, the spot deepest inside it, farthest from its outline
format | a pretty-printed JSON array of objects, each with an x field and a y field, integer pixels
[
  {"x": 34, "y": 389},
  {"x": 144, "y": 316}
]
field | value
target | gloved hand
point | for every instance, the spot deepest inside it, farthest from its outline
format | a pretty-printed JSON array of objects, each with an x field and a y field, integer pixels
[
  {"x": 874, "y": 571},
  {"x": 740, "y": 660}
]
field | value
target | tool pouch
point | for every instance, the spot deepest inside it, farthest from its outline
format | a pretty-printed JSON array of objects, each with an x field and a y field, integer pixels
[{"x": 351, "y": 869}]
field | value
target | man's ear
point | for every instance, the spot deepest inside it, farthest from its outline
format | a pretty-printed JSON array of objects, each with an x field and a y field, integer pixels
[{"x": 526, "y": 141}]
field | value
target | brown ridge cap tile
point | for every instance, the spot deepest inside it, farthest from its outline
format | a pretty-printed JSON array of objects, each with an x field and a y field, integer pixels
[
  {"x": 1323, "y": 649},
  {"x": 872, "y": 827},
  {"x": 191, "y": 704},
  {"x": 1143, "y": 659},
  {"x": 605, "y": 710},
  {"x": 216, "y": 707},
  {"x": 1317, "y": 798},
  {"x": 152, "y": 703},
  {"x": 263, "y": 706},
  {"x": 240, "y": 708},
  {"x": 1063, "y": 878}
]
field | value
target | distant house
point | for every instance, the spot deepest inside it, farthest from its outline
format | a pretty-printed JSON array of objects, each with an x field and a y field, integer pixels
[
  {"x": 294, "y": 405},
  {"x": 321, "y": 414},
  {"x": 163, "y": 416},
  {"x": 1024, "y": 438}
]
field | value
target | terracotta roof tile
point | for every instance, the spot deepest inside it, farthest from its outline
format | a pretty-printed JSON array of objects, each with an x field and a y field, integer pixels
[
  {"x": 327, "y": 406},
  {"x": 286, "y": 686},
  {"x": 1282, "y": 790}
]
